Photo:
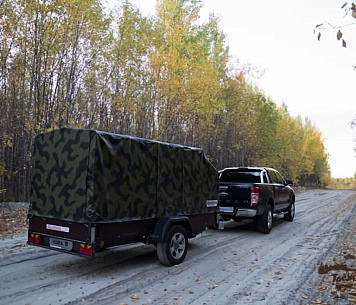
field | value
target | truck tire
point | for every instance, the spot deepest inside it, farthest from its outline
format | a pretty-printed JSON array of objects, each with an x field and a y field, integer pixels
[
  {"x": 289, "y": 216},
  {"x": 174, "y": 249},
  {"x": 264, "y": 221}
]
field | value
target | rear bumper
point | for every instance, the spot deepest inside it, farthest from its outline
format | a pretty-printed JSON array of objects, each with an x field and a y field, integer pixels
[
  {"x": 238, "y": 212},
  {"x": 245, "y": 213}
]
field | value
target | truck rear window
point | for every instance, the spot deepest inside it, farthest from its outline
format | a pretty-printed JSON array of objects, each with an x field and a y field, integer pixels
[{"x": 240, "y": 176}]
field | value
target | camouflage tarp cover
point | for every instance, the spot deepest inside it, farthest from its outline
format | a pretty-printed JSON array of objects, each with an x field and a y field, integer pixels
[{"x": 89, "y": 176}]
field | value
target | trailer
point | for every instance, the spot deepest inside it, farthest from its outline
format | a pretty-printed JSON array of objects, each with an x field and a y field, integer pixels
[{"x": 92, "y": 190}]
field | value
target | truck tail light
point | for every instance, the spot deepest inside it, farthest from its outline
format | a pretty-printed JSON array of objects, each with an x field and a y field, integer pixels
[
  {"x": 86, "y": 250},
  {"x": 255, "y": 195},
  {"x": 34, "y": 239}
]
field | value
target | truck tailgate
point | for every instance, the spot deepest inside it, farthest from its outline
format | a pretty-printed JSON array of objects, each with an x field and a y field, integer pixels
[{"x": 235, "y": 195}]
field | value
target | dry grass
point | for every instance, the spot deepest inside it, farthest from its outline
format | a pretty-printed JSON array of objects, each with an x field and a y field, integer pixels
[{"x": 13, "y": 221}]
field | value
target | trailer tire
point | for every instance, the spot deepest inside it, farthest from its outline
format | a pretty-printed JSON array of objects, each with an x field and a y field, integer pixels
[{"x": 174, "y": 249}]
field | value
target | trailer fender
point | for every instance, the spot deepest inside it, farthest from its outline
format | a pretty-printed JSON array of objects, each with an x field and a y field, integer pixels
[{"x": 164, "y": 223}]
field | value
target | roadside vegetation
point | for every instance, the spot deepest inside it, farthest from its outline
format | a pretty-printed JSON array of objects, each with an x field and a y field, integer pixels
[
  {"x": 343, "y": 183},
  {"x": 166, "y": 77}
]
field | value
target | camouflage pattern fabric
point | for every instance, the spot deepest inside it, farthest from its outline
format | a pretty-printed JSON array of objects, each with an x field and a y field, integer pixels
[{"x": 90, "y": 176}]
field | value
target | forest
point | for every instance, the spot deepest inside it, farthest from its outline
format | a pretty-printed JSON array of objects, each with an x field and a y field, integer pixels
[{"x": 168, "y": 77}]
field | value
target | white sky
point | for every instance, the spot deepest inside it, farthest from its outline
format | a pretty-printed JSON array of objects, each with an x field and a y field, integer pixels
[{"x": 313, "y": 78}]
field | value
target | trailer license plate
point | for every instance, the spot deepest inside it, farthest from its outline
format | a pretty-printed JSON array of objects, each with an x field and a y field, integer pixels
[
  {"x": 226, "y": 209},
  {"x": 61, "y": 244}
]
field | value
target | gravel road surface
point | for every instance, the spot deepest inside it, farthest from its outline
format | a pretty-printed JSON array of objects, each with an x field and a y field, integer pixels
[{"x": 295, "y": 264}]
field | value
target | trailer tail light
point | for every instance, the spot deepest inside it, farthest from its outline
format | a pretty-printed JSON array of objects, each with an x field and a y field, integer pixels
[
  {"x": 34, "y": 239},
  {"x": 86, "y": 250},
  {"x": 255, "y": 195}
]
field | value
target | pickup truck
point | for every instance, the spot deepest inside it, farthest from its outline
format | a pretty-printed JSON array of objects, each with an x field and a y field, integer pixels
[
  {"x": 92, "y": 190},
  {"x": 255, "y": 193}
]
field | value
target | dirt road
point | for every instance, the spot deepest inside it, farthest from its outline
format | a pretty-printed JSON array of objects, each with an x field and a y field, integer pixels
[{"x": 235, "y": 266}]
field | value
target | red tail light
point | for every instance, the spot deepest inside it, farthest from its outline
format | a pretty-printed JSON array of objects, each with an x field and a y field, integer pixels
[
  {"x": 34, "y": 239},
  {"x": 255, "y": 195},
  {"x": 86, "y": 250}
]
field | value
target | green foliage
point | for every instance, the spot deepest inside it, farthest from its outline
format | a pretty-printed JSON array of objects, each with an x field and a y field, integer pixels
[{"x": 165, "y": 77}]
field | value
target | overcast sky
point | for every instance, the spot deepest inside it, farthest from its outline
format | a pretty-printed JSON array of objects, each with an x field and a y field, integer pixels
[{"x": 313, "y": 78}]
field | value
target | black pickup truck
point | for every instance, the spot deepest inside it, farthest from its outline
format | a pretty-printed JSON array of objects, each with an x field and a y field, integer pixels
[{"x": 255, "y": 193}]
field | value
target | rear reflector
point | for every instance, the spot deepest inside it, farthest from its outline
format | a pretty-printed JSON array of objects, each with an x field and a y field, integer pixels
[
  {"x": 211, "y": 203},
  {"x": 34, "y": 239},
  {"x": 255, "y": 195},
  {"x": 86, "y": 250}
]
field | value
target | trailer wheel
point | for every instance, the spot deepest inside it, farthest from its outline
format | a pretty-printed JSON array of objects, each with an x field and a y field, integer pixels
[{"x": 174, "y": 249}]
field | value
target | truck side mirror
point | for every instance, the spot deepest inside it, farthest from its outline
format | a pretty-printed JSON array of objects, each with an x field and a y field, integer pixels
[{"x": 289, "y": 182}]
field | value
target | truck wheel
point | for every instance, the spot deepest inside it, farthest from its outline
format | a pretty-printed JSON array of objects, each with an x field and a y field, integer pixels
[
  {"x": 264, "y": 222},
  {"x": 174, "y": 249},
  {"x": 289, "y": 216}
]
